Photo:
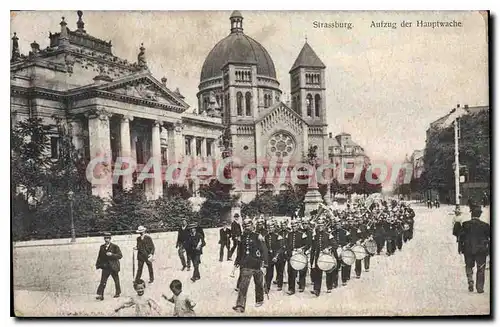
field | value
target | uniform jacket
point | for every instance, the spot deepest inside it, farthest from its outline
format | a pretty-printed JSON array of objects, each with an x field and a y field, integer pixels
[
  {"x": 109, "y": 262},
  {"x": 296, "y": 240},
  {"x": 225, "y": 236},
  {"x": 320, "y": 242},
  {"x": 145, "y": 247},
  {"x": 276, "y": 245},
  {"x": 252, "y": 251},
  {"x": 475, "y": 236}
]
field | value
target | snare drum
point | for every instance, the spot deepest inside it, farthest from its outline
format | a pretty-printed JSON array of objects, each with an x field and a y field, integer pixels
[
  {"x": 348, "y": 257},
  {"x": 326, "y": 262},
  {"x": 298, "y": 261},
  {"x": 359, "y": 252}
]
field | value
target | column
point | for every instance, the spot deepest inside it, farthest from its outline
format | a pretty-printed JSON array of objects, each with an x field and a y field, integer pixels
[
  {"x": 203, "y": 149},
  {"x": 100, "y": 148},
  {"x": 175, "y": 143},
  {"x": 76, "y": 136},
  {"x": 126, "y": 150},
  {"x": 192, "y": 146},
  {"x": 156, "y": 156}
]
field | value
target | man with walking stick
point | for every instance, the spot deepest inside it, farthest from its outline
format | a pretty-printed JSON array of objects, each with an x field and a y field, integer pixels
[
  {"x": 251, "y": 257},
  {"x": 108, "y": 261},
  {"x": 145, "y": 253}
]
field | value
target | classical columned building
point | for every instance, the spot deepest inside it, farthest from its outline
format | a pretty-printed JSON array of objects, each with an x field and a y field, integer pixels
[{"x": 111, "y": 107}]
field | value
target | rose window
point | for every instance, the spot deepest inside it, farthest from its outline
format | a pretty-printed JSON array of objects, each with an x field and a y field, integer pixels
[{"x": 281, "y": 145}]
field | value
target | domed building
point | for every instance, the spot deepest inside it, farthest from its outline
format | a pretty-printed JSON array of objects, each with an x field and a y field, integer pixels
[{"x": 238, "y": 82}]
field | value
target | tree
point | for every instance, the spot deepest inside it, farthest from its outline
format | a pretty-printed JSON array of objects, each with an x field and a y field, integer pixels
[
  {"x": 29, "y": 158},
  {"x": 169, "y": 212},
  {"x": 264, "y": 203},
  {"x": 219, "y": 201},
  {"x": 128, "y": 209},
  {"x": 178, "y": 191}
]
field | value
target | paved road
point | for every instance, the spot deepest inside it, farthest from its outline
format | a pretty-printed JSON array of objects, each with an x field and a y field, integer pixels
[{"x": 426, "y": 278}]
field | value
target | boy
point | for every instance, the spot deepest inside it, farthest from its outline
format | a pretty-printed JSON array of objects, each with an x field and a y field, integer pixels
[
  {"x": 183, "y": 305},
  {"x": 144, "y": 307}
]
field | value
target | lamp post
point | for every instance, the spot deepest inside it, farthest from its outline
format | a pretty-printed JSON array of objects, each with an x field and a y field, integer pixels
[
  {"x": 70, "y": 197},
  {"x": 457, "y": 170}
]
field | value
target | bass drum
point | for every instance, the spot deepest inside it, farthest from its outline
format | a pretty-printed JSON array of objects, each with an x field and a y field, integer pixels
[
  {"x": 359, "y": 252},
  {"x": 371, "y": 247},
  {"x": 298, "y": 261},
  {"x": 348, "y": 257},
  {"x": 326, "y": 262}
]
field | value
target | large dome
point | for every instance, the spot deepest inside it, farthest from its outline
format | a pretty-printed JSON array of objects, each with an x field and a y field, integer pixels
[{"x": 237, "y": 48}]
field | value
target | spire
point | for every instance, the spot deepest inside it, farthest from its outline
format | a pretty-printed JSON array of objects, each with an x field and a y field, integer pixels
[
  {"x": 80, "y": 24},
  {"x": 141, "y": 57},
  {"x": 236, "y": 22},
  {"x": 64, "y": 37},
  {"x": 307, "y": 58},
  {"x": 15, "y": 48}
]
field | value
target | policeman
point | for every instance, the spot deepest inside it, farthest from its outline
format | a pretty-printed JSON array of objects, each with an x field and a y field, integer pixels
[
  {"x": 322, "y": 242},
  {"x": 275, "y": 244},
  {"x": 296, "y": 241},
  {"x": 474, "y": 239},
  {"x": 251, "y": 257}
]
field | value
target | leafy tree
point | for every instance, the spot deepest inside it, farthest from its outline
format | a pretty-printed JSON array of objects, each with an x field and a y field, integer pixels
[
  {"x": 169, "y": 212},
  {"x": 178, "y": 191},
  {"x": 219, "y": 201},
  {"x": 29, "y": 158},
  {"x": 128, "y": 209}
]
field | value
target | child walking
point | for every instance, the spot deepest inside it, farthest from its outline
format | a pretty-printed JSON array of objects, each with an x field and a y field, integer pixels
[
  {"x": 144, "y": 306},
  {"x": 183, "y": 305}
]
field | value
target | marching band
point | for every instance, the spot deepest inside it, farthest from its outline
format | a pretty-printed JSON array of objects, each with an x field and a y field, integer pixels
[{"x": 330, "y": 242}]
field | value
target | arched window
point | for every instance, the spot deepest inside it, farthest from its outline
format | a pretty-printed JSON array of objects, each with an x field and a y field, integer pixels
[
  {"x": 248, "y": 104},
  {"x": 239, "y": 104},
  {"x": 317, "y": 104},
  {"x": 309, "y": 104}
]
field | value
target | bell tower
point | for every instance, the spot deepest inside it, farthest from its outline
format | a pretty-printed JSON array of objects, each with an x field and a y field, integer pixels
[{"x": 307, "y": 80}]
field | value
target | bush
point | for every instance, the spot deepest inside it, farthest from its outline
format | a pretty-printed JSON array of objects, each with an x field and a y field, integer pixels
[{"x": 169, "y": 212}]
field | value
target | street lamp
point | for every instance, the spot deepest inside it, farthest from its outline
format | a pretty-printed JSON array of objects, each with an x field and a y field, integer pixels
[{"x": 70, "y": 197}]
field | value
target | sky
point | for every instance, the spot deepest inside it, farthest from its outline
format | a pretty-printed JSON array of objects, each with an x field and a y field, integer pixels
[{"x": 383, "y": 85}]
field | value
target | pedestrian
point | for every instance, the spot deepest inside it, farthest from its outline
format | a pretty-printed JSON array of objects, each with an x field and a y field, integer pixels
[
  {"x": 144, "y": 306},
  {"x": 251, "y": 257},
  {"x": 225, "y": 242},
  {"x": 182, "y": 235},
  {"x": 475, "y": 239},
  {"x": 108, "y": 260},
  {"x": 183, "y": 305},
  {"x": 194, "y": 249},
  {"x": 235, "y": 234},
  {"x": 145, "y": 253},
  {"x": 485, "y": 199}
]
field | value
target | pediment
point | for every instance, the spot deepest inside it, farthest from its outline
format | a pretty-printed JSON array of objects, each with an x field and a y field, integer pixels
[
  {"x": 145, "y": 87},
  {"x": 283, "y": 116}
]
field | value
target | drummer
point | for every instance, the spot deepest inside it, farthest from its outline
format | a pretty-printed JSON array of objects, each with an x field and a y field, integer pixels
[
  {"x": 296, "y": 242},
  {"x": 358, "y": 236},
  {"x": 322, "y": 243},
  {"x": 342, "y": 236},
  {"x": 276, "y": 253}
]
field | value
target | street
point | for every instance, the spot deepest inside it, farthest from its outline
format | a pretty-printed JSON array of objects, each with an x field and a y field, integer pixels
[{"x": 426, "y": 278}]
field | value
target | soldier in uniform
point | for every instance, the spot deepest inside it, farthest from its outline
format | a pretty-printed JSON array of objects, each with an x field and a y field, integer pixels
[
  {"x": 474, "y": 240},
  {"x": 275, "y": 244},
  {"x": 322, "y": 242},
  {"x": 296, "y": 241},
  {"x": 251, "y": 257}
]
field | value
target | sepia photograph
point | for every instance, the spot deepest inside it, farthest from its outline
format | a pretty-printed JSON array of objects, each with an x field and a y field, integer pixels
[{"x": 250, "y": 163}]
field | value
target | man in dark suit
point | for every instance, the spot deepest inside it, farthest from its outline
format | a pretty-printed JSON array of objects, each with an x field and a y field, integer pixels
[
  {"x": 235, "y": 234},
  {"x": 108, "y": 262},
  {"x": 145, "y": 253},
  {"x": 224, "y": 241},
  {"x": 474, "y": 240},
  {"x": 182, "y": 235},
  {"x": 194, "y": 245}
]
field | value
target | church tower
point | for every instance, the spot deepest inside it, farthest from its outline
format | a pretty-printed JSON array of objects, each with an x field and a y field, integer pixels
[{"x": 307, "y": 80}]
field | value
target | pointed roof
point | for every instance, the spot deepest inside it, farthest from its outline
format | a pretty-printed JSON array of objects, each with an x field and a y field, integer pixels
[{"x": 307, "y": 58}]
